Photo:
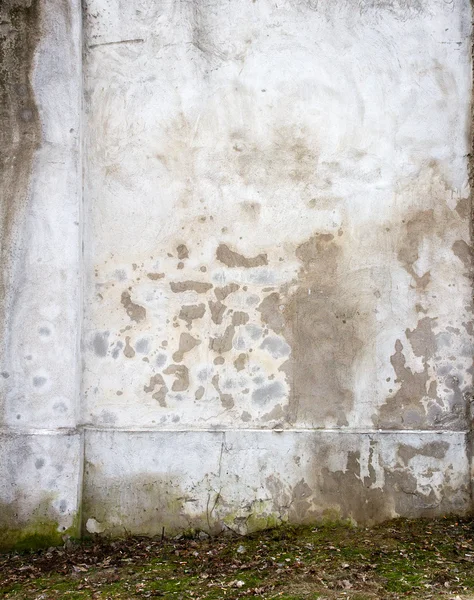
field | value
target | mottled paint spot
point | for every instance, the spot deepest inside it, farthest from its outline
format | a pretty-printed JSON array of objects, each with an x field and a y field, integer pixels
[
  {"x": 217, "y": 311},
  {"x": 405, "y": 407},
  {"x": 233, "y": 259},
  {"x": 422, "y": 339},
  {"x": 155, "y": 276},
  {"x": 463, "y": 208},
  {"x": 222, "y": 292},
  {"x": 128, "y": 351},
  {"x": 100, "y": 343},
  {"x": 186, "y": 286},
  {"x": 271, "y": 312},
  {"x": 227, "y": 400},
  {"x": 191, "y": 312},
  {"x": 276, "y": 347},
  {"x": 239, "y": 318},
  {"x": 310, "y": 318},
  {"x": 157, "y": 387},
  {"x": 136, "y": 312},
  {"x": 463, "y": 251},
  {"x": 268, "y": 393},
  {"x": 142, "y": 346},
  {"x": 182, "y": 251},
  {"x": 199, "y": 393},
  {"x": 181, "y": 373},
  {"x": 433, "y": 449},
  {"x": 186, "y": 343},
  {"x": 416, "y": 228},
  {"x": 223, "y": 343},
  {"x": 39, "y": 381},
  {"x": 160, "y": 360},
  {"x": 116, "y": 350},
  {"x": 240, "y": 361},
  {"x": 39, "y": 463}
]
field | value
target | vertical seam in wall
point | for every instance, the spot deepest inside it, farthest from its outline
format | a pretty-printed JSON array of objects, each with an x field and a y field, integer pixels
[
  {"x": 81, "y": 9},
  {"x": 469, "y": 435}
]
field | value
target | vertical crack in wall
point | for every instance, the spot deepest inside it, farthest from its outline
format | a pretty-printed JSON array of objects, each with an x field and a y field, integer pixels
[{"x": 20, "y": 135}]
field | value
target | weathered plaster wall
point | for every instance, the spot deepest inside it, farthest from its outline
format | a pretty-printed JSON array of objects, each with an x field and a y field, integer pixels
[
  {"x": 276, "y": 278},
  {"x": 40, "y": 96},
  {"x": 277, "y": 238}
]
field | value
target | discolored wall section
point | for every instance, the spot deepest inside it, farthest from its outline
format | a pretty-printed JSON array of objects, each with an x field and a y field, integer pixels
[
  {"x": 40, "y": 446},
  {"x": 275, "y": 292},
  {"x": 278, "y": 238}
]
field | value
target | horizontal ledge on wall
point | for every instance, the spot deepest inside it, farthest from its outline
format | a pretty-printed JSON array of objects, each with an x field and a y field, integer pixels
[
  {"x": 78, "y": 430},
  {"x": 279, "y": 431}
]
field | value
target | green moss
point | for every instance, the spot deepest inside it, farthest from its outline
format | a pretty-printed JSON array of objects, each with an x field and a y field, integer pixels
[{"x": 38, "y": 533}]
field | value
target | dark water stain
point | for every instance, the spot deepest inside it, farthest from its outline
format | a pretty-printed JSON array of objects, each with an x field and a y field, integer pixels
[
  {"x": 20, "y": 133},
  {"x": 324, "y": 329},
  {"x": 416, "y": 403},
  {"x": 233, "y": 259},
  {"x": 464, "y": 252},
  {"x": 422, "y": 339},
  {"x": 405, "y": 408},
  {"x": 433, "y": 449},
  {"x": 420, "y": 225}
]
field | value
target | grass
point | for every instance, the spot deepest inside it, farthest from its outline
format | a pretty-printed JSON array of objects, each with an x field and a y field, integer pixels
[{"x": 400, "y": 559}]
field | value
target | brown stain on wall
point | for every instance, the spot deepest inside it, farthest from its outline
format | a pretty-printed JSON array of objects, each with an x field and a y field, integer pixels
[
  {"x": 217, "y": 311},
  {"x": 186, "y": 343},
  {"x": 136, "y": 312},
  {"x": 233, "y": 259},
  {"x": 191, "y": 312},
  {"x": 199, "y": 287},
  {"x": 227, "y": 400},
  {"x": 416, "y": 228},
  {"x": 181, "y": 373},
  {"x": 321, "y": 322},
  {"x": 222, "y": 292},
  {"x": 464, "y": 252},
  {"x": 223, "y": 343},
  {"x": 157, "y": 381},
  {"x": 405, "y": 408},
  {"x": 20, "y": 131}
]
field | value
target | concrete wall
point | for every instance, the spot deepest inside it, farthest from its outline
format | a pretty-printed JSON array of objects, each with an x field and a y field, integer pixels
[
  {"x": 40, "y": 306},
  {"x": 277, "y": 315}
]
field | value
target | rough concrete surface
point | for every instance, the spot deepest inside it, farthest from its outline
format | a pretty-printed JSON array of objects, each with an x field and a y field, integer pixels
[{"x": 275, "y": 223}]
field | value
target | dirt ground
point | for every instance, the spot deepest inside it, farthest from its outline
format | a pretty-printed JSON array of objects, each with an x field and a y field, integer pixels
[{"x": 399, "y": 559}]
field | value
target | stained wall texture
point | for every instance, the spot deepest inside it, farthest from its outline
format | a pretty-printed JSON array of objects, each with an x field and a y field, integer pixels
[{"x": 276, "y": 304}]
